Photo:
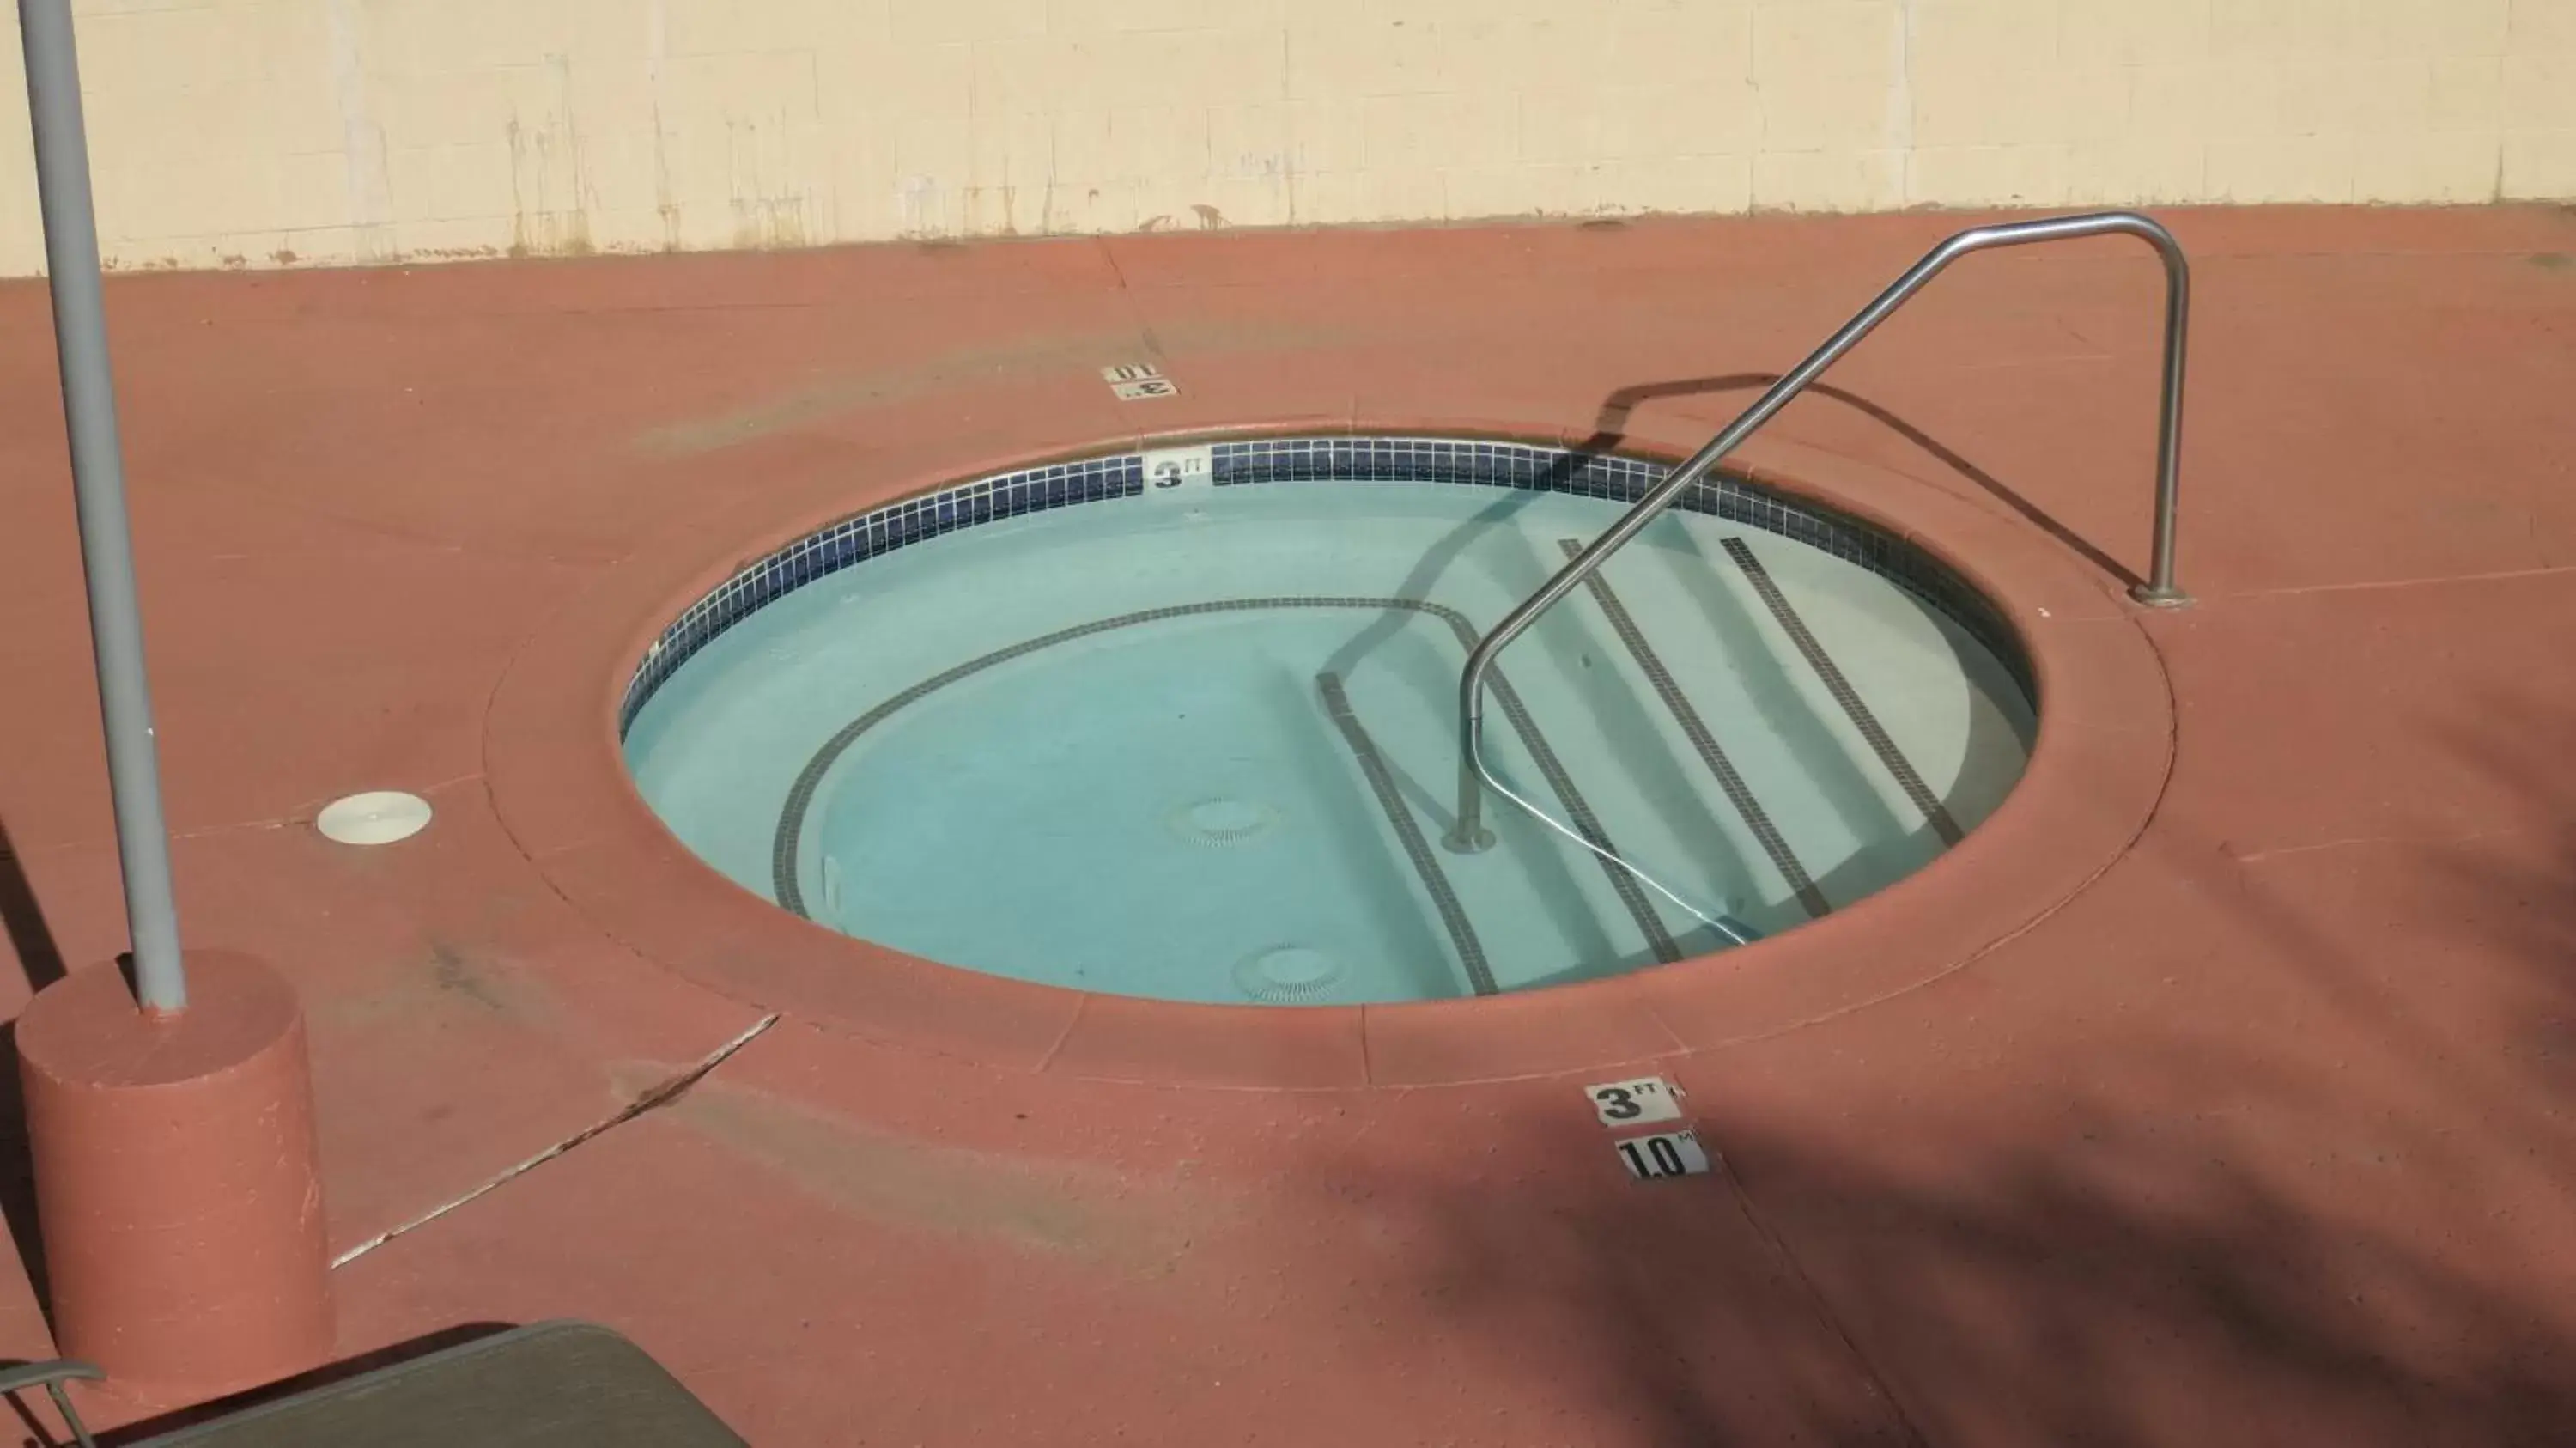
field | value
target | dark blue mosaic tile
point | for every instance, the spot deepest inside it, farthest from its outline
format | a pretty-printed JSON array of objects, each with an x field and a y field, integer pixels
[{"x": 1277, "y": 460}]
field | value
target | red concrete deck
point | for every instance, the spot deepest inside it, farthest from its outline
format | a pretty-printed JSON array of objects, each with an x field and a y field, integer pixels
[{"x": 2249, "y": 1125}]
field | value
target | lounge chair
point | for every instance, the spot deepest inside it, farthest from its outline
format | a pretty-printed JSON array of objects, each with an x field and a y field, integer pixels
[{"x": 553, "y": 1385}]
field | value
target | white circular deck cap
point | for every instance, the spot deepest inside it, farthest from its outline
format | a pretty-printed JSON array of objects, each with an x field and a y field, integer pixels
[{"x": 373, "y": 819}]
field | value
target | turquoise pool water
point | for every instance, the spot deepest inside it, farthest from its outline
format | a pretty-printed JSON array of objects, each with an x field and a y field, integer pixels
[{"x": 1198, "y": 743}]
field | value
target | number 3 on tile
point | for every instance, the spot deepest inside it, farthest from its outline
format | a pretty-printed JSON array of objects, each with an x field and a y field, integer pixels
[
  {"x": 1665, "y": 1154},
  {"x": 1626, "y": 1103}
]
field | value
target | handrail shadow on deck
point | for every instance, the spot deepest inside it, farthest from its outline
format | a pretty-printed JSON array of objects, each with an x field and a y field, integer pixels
[{"x": 1610, "y": 430}]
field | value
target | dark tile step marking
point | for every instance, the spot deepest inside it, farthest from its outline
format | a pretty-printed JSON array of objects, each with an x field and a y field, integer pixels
[
  {"x": 1935, "y": 813},
  {"x": 1399, "y": 816},
  {"x": 1738, "y": 793},
  {"x": 786, "y": 842},
  {"x": 1578, "y": 810}
]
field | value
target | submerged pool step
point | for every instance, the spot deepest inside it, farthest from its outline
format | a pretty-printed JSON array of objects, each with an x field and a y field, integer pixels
[
  {"x": 1702, "y": 742},
  {"x": 1600, "y": 916},
  {"x": 1936, "y": 813},
  {"x": 1578, "y": 809},
  {"x": 1408, "y": 833},
  {"x": 1755, "y": 734}
]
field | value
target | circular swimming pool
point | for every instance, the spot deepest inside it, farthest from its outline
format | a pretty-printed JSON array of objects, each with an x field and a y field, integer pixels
[{"x": 1182, "y": 723}]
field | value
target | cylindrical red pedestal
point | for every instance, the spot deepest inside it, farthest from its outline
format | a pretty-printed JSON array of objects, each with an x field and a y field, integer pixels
[{"x": 175, "y": 1179}]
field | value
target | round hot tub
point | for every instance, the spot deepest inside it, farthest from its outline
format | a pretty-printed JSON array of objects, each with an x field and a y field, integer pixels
[{"x": 1183, "y": 723}]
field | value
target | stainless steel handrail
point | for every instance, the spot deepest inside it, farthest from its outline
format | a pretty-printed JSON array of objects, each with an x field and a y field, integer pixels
[{"x": 2158, "y": 591}]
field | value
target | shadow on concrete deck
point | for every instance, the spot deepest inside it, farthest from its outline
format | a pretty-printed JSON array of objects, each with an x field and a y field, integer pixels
[
  {"x": 2336, "y": 1214},
  {"x": 2129, "y": 1289}
]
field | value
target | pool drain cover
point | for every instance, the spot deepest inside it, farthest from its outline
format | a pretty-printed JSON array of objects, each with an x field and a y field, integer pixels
[
  {"x": 380, "y": 818},
  {"x": 1224, "y": 821},
  {"x": 1288, "y": 976}
]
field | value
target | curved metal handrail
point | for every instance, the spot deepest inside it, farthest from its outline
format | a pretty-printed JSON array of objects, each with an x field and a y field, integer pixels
[{"x": 2158, "y": 591}]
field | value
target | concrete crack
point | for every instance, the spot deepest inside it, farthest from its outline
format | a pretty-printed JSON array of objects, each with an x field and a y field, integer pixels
[
  {"x": 662, "y": 1094},
  {"x": 1818, "y": 1303}
]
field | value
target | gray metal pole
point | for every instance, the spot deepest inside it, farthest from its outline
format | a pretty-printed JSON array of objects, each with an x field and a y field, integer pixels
[{"x": 98, "y": 480}]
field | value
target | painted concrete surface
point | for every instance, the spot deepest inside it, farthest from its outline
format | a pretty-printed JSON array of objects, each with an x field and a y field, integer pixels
[{"x": 2255, "y": 1131}]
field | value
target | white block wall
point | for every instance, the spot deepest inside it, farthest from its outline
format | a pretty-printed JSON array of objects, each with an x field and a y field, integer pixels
[{"x": 269, "y": 132}]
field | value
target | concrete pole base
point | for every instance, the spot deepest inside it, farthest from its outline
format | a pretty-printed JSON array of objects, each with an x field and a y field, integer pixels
[{"x": 176, "y": 1184}]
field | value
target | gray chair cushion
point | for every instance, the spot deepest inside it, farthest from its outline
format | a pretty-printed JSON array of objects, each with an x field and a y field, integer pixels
[{"x": 553, "y": 1385}]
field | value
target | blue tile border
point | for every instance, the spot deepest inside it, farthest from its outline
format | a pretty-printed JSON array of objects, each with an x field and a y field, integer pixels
[
  {"x": 855, "y": 540},
  {"x": 1312, "y": 459}
]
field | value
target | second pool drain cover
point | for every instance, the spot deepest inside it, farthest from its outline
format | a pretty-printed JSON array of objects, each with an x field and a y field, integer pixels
[{"x": 1290, "y": 975}]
